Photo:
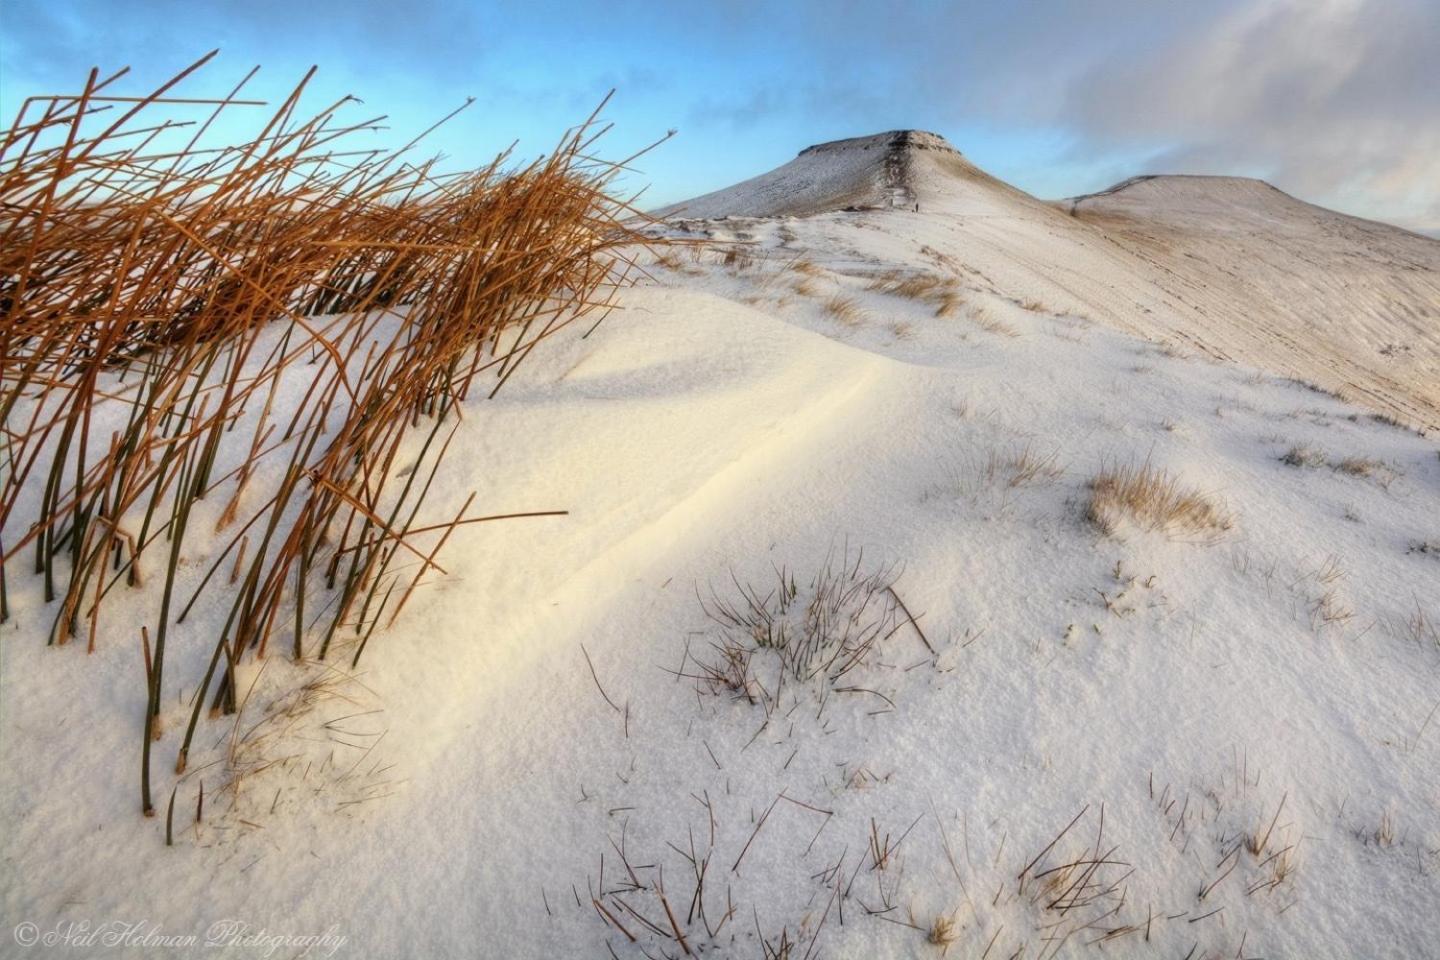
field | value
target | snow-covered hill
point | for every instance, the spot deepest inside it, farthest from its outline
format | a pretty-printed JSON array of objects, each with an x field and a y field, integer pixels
[
  {"x": 1352, "y": 304},
  {"x": 1063, "y": 721},
  {"x": 1227, "y": 266}
]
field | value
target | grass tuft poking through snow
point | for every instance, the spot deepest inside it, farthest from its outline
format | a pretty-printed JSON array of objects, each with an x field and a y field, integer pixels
[
  {"x": 789, "y": 634},
  {"x": 911, "y": 286},
  {"x": 1304, "y": 455},
  {"x": 1154, "y": 500},
  {"x": 845, "y": 310},
  {"x": 990, "y": 323},
  {"x": 739, "y": 258},
  {"x": 948, "y": 302}
]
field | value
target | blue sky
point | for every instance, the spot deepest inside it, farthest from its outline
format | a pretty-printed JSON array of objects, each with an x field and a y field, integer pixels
[{"x": 1333, "y": 100}]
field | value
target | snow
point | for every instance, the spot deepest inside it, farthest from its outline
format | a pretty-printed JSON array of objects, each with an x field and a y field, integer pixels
[
  {"x": 535, "y": 710},
  {"x": 1226, "y": 266},
  {"x": 1348, "y": 303}
]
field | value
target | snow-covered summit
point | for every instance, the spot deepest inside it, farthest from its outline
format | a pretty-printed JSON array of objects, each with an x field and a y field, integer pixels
[
  {"x": 892, "y": 170},
  {"x": 890, "y": 141}
]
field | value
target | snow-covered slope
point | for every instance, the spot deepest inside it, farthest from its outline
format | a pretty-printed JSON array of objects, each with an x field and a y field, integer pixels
[
  {"x": 1227, "y": 266},
  {"x": 1237, "y": 723},
  {"x": 1272, "y": 272}
]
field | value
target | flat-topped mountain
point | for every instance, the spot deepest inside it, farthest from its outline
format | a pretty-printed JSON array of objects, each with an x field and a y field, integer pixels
[{"x": 893, "y": 170}]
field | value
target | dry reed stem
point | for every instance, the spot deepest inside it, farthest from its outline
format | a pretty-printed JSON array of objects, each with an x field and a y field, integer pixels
[{"x": 159, "y": 309}]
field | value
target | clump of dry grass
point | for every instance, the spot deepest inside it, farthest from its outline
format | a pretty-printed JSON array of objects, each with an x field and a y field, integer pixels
[
  {"x": 1383, "y": 834},
  {"x": 1391, "y": 421},
  {"x": 796, "y": 633},
  {"x": 668, "y": 259},
  {"x": 943, "y": 933},
  {"x": 1073, "y": 887},
  {"x": 942, "y": 292},
  {"x": 911, "y": 286},
  {"x": 1027, "y": 467},
  {"x": 739, "y": 258},
  {"x": 1368, "y": 469},
  {"x": 170, "y": 296},
  {"x": 948, "y": 302},
  {"x": 1002, "y": 470},
  {"x": 1153, "y": 499},
  {"x": 990, "y": 323},
  {"x": 1304, "y": 455},
  {"x": 695, "y": 908},
  {"x": 845, "y": 310},
  {"x": 1359, "y": 466},
  {"x": 882, "y": 281},
  {"x": 1420, "y": 628}
]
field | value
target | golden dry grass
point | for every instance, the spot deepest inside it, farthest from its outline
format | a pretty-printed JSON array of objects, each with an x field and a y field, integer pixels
[
  {"x": 942, "y": 933},
  {"x": 739, "y": 258},
  {"x": 1368, "y": 469},
  {"x": 941, "y": 292},
  {"x": 1154, "y": 500},
  {"x": 990, "y": 323},
  {"x": 1027, "y": 467},
  {"x": 911, "y": 286},
  {"x": 845, "y": 310},
  {"x": 948, "y": 302},
  {"x": 1359, "y": 466},
  {"x": 200, "y": 280}
]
